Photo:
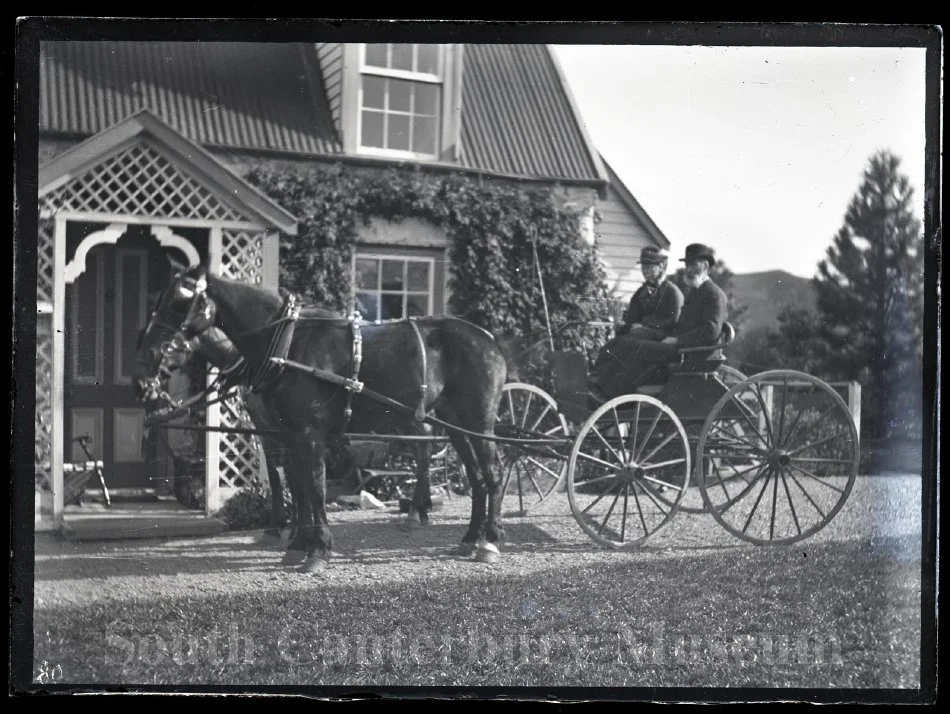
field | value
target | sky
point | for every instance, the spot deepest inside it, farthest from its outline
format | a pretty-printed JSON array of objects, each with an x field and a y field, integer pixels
[{"x": 756, "y": 151}]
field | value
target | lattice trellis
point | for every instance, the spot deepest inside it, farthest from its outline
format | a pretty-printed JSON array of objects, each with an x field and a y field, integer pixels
[
  {"x": 44, "y": 402},
  {"x": 141, "y": 182},
  {"x": 240, "y": 454},
  {"x": 43, "y": 413},
  {"x": 45, "y": 242},
  {"x": 242, "y": 256}
]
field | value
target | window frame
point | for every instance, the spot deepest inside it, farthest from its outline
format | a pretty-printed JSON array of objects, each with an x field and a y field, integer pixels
[
  {"x": 380, "y": 256},
  {"x": 438, "y": 79}
]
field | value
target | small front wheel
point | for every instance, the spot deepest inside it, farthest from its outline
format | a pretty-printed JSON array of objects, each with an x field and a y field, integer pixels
[
  {"x": 531, "y": 472},
  {"x": 630, "y": 450}
]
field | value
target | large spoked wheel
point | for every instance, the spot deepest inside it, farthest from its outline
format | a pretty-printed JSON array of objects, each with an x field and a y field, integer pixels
[
  {"x": 628, "y": 451},
  {"x": 531, "y": 472},
  {"x": 778, "y": 457}
]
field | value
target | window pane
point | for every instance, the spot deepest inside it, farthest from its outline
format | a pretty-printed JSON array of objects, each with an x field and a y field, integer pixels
[
  {"x": 417, "y": 305},
  {"x": 427, "y": 59},
  {"x": 392, "y": 307},
  {"x": 427, "y": 99},
  {"x": 374, "y": 92},
  {"x": 423, "y": 135},
  {"x": 418, "y": 278},
  {"x": 400, "y": 95},
  {"x": 367, "y": 306},
  {"x": 366, "y": 273},
  {"x": 392, "y": 274},
  {"x": 372, "y": 132},
  {"x": 402, "y": 57},
  {"x": 397, "y": 134},
  {"x": 376, "y": 55}
]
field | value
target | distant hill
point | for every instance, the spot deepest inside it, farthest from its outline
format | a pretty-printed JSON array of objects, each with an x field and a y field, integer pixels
[{"x": 767, "y": 293}]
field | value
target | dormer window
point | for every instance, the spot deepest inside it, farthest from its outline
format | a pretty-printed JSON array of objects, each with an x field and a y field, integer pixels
[{"x": 401, "y": 96}]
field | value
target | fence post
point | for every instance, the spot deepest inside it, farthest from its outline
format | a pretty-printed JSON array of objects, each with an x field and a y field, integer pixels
[
  {"x": 767, "y": 394},
  {"x": 854, "y": 404}
]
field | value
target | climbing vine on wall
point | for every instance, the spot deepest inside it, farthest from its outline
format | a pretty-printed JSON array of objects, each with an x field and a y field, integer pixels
[{"x": 494, "y": 228}]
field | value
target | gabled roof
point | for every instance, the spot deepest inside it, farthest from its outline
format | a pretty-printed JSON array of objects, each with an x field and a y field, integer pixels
[
  {"x": 518, "y": 114},
  {"x": 254, "y": 95},
  {"x": 634, "y": 205},
  {"x": 197, "y": 162}
]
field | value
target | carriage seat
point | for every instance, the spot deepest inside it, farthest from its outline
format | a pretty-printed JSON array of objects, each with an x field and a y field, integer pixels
[
  {"x": 658, "y": 375},
  {"x": 687, "y": 363}
]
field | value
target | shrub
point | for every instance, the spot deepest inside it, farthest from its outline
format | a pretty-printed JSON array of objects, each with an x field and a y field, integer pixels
[{"x": 248, "y": 509}]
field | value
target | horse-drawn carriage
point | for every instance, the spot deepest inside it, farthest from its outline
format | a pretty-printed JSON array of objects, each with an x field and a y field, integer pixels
[{"x": 771, "y": 457}]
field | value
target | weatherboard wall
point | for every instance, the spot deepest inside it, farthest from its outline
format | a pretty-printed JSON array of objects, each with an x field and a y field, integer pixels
[{"x": 620, "y": 236}]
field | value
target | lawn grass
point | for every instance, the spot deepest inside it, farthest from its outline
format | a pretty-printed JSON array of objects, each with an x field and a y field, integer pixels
[{"x": 824, "y": 615}]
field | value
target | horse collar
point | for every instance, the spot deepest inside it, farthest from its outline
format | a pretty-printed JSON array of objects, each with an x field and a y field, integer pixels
[{"x": 279, "y": 346}]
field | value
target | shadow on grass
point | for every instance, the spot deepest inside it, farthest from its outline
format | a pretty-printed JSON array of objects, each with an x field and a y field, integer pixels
[
  {"x": 681, "y": 621},
  {"x": 362, "y": 542}
]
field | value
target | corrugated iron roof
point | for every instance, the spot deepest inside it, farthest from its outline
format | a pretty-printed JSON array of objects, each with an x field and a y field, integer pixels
[
  {"x": 517, "y": 119},
  {"x": 517, "y": 116},
  {"x": 230, "y": 94}
]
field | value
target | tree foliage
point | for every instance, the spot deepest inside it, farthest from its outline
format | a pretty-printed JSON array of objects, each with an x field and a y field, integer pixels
[
  {"x": 869, "y": 315},
  {"x": 494, "y": 229}
]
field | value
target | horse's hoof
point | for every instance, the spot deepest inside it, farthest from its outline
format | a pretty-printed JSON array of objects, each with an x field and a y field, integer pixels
[
  {"x": 487, "y": 553},
  {"x": 465, "y": 549},
  {"x": 292, "y": 557},
  {"x": 269, "y": 538},
  {"x": 313, "y": 564}
]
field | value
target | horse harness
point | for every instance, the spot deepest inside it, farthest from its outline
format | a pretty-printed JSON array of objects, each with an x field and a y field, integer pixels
[
  {"x": 351, "y": 384},
  {"x": 275, "y": 358}
]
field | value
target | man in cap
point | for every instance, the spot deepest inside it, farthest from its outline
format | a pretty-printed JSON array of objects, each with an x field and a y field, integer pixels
[
  {"x": 655, "y": 306},
  {"x": 700, "y": 321}
]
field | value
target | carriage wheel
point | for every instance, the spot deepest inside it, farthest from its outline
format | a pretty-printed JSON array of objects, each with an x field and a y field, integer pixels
[
  {"x": 693, "y": 500},
  {"x": 530, "y": 475},
  {"x": 778, "y": 457},
  {"x": 626, "y": 452}
]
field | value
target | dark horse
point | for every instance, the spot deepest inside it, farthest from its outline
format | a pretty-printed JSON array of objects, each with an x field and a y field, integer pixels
[
  {"x": 217, "y": 349},
  {"x": 465, "y": 371}
]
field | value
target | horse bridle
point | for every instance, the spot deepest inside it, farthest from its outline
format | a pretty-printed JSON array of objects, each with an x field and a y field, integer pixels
[{"x": 180, "y": 343}]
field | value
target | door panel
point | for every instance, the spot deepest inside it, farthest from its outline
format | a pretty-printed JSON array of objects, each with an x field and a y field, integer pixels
[
  {"x": 87, "y": 318},
  {"x": 86, "y": 421},
  {"x": 131, "y": 296},
  {"x": 127, "y": 432}
]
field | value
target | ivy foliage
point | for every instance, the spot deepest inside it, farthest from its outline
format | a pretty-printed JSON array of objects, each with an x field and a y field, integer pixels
[{"x": 495, "y": 229}]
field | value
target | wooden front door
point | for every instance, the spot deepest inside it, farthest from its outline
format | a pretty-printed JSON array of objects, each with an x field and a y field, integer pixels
[{"x": 106, "y": 307}]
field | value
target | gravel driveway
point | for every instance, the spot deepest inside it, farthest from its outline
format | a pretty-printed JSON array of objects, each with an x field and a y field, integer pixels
[{"x": 372, "y": 548}]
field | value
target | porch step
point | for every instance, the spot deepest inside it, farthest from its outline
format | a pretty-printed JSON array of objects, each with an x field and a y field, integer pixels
[
  {"x": 125, "y": 521},
  {"x": 137, "y": 528}
]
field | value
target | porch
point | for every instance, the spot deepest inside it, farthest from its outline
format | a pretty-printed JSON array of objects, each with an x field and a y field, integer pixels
[{"x": 112, "y": 209}]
